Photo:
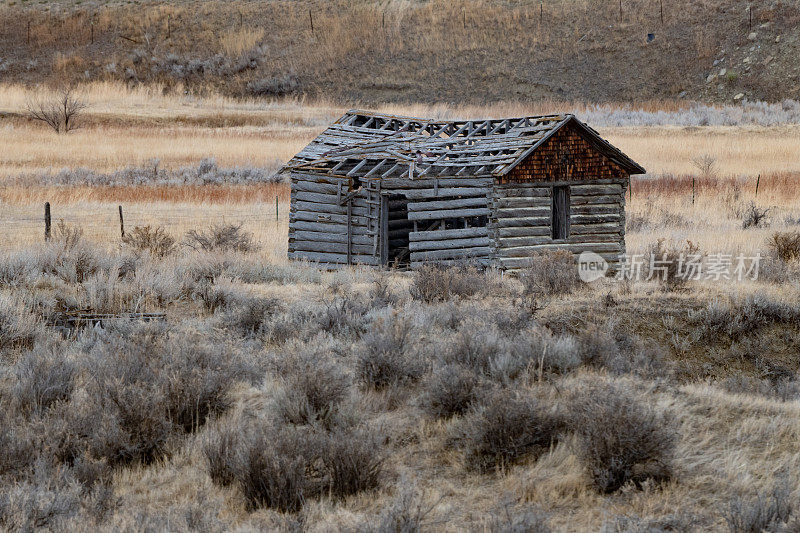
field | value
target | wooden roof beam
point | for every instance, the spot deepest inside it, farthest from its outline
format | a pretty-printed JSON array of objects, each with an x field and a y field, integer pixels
[
  {"x": 339, "y": 165},
  {"x": 389, "y": 172},
  {"x": 357, "y": 167},
  {"x": 374, "y": 169},
  {"x": 503, "y": 124}
]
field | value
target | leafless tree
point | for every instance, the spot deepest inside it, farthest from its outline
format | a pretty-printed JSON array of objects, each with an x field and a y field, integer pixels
[
  {"x": 59, "y": 110},
  {"x": 706, "y": 165}
]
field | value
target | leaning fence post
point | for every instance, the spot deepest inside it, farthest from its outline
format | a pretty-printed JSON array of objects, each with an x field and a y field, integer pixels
[
  {"x": 121, "y": 223},
  {"x": 758, "y": 180},
  {"x": 47, "y": 221}
]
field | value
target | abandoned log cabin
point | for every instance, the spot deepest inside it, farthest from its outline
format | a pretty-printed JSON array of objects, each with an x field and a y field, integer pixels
[{"x": 379, "y": 189}]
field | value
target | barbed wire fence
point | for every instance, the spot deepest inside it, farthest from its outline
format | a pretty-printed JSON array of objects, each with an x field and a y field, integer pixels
[{"x": 24, "y": 226}]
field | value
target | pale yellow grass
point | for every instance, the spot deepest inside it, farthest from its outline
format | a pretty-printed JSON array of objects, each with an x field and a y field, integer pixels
[
  {"x": 31, "y": 148},
  {"x": 710, "y": 223},
  {"x": 235, "y": 42},
  {"x": 736, "y": 150},
  {"x": 24, "y": 224},
  {"x": 131, "y": 127}
]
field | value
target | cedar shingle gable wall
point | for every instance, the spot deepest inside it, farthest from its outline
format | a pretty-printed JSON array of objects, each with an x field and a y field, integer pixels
[{"x": 565, "y": 156}]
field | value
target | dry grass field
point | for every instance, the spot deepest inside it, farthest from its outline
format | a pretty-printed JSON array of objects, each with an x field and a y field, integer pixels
[{"x": 275, "y": 396}]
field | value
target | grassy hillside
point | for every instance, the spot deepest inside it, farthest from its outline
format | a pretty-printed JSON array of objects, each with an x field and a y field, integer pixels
[{"x": 400, "y": 50}]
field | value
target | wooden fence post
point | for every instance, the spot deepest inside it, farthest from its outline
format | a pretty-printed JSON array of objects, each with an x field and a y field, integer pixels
[
  {"x": 121, "y": 223},
  {"x": 661, "y": 2},
  {"x": 758, "y": 180},
  {"x": 692, "y": 190},
  {"x": 47, "y": 221},
  {"x": 276, "y": 208},
  {"x": 311, "y": 20}
]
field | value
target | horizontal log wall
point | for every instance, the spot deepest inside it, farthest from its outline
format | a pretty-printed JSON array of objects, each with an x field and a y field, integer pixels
[
  {"x": 520, "y": 223},
  {"x": 318, "y": 224},
  {"x": 431, "y": 200}
]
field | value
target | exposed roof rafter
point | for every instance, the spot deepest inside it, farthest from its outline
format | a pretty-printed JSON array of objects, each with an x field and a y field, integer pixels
[{"x": 373, "y": 145}]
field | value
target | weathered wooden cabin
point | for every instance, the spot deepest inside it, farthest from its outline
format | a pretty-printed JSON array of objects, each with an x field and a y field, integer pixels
[{"x": 379, "y": 189}]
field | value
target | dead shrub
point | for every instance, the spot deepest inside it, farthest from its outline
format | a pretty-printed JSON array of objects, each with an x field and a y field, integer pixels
[
  {"x": 504, "y": 429},
  {"x": 353, "y": 462},
  {"x": 770, "y": 510},
  {"x": 474, "y": 347},
  {"x": 785, "y": 245},
  {"x": 508, "y": 520},
  {"x": 550, "y": 273},
  {"x": 150, "y": 388},
  {"x": 672, "y": 266},
  {"x": 156, "y": 241},
  {"x": 43, "y": 377},
  {"x": 384, "y": 358},
  {"x": 223, "y": 237},
  {"x": 275, "y": 85},
  {"x": 45, "y": 503},
  {"x": 343, "y": 315},
  {"x": 536, "y": 352},
  {"x": 450, "y": 391},
  {"x": 221, "y": 446},
  {"x": 753, "y": 216},
  {"x": 18, "y": 327},
  {"x": 434, "y": 282},
  {"x": 67, "y": 236},
  {"x": 249, "y": 316},
  {"x": 314, "y": 386},
  {"x": 406, "y": 513},
  {"x": 276, "y": 470},
  {"x": 283, "y": 468},
  {"x": 622, "y": 439}
]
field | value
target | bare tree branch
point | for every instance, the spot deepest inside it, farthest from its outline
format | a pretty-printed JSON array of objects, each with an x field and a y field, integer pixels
[{"x": 58, "y": 111}]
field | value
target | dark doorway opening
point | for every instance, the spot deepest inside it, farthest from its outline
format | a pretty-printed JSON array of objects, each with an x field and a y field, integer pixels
[
  {"x": 560, "y": 211},
  {"x": 398, "y": 229}
]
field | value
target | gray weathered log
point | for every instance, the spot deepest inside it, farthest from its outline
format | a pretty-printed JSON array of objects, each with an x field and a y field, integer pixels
[
  {"x": 326, "y": 217},
  {"x": 301, "y": 235},
  {"x": 524, "y": 251},
  {"x": 333, "y": 258},
  {"x": 448, "y": 234},
  {"x": 522, "y": 201},
  {"x": 449, "y": 244},
  {"x": 520, "y": 222},
  {"x": 447, "y": 204},
  {"x": 459, "y": 253},
  {"x": 465, "y": 192},
  {"x": 481, "y": 261},
  {"x": 523, "y": 212},
  {"x": 442, "y": 214},
  {"x": 328, "y": 227}
]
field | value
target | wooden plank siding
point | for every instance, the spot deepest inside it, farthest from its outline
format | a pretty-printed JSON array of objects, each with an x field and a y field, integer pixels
[
  {"x": 520, "y": 221},
  {"x": 340, "y": 212},
  {"x": 318, "y": 222},
  {"x": 450, "y": 245}
]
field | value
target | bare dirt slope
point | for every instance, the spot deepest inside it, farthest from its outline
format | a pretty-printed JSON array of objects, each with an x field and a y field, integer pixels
[{"x": 427, "y": 51}]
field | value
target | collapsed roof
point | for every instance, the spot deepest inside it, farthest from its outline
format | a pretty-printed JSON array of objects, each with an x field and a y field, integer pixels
[{"x": 363, "y": 144}]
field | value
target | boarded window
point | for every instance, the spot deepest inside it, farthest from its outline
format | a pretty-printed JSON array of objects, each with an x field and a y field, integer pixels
[{"x": 560, "y": 210}]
